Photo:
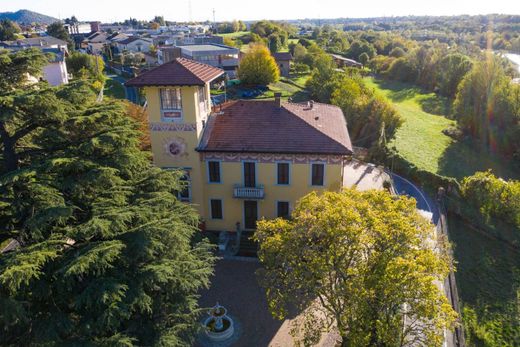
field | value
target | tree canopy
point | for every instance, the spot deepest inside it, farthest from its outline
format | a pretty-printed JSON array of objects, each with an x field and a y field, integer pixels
[
  {"x": 368, "y": 115},
  {"x": 258, "y": 67},
  {"x": 487, "y": 107},
  {"x": 106, "y": 252},
  {"x": 363, "y": 262},
  {"x": 86, "y": 66},
  {"x": 58, "y": 31},
  {"x": 8, "y": 30}
]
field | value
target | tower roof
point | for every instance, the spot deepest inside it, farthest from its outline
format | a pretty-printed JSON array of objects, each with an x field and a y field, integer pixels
[{"x": 178, "y": 72}]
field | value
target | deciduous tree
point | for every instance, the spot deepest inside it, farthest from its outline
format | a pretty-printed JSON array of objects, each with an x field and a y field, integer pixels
[
  {"x": 8, "y": 30},
  {"x": 258, "y": 67},
  {"x": 364, "y": 262}
]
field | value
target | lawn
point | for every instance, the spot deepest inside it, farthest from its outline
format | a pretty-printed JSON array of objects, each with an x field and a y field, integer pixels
[
  {"x": 487, "y": 273},
  {"x": 421, "y": 141},
  {"x": 296, "y": 93},
  {"x": 300, "y": 80},
  {"x": 114, "y": 89},
  {"x": 234, "y": 35}
]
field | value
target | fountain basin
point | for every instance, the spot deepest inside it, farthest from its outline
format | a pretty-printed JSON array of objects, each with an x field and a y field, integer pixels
[{"x": 219, "y": 334}]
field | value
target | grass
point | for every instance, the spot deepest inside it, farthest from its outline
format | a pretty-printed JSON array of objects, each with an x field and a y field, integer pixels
[
  {"x": 296, "y": 93},
  {"x": 114, "y": 89},
  {"x": 487, "y": 279},
  {"x": 421, "y": 141},
  {"x": 234, "y": 35},
  {"x": 300, "y": 80}
]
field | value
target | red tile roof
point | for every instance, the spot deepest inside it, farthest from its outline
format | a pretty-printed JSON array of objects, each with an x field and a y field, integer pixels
[
  {"x": 178, "y": 72},
  {"x": 264, "y": 127}
]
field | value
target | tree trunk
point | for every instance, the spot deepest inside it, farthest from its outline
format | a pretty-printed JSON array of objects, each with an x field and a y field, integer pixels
[{"x": 10, "y": 157}]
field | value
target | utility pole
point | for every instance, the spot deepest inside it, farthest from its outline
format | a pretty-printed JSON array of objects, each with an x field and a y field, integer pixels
[{"x": 214, "y": 22}]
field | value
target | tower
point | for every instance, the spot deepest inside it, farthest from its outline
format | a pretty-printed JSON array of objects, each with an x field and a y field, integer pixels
[{"x": 178, "y": 100}]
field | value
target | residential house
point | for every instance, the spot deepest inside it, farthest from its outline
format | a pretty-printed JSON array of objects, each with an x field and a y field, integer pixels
[
  {"x": 283, "y": 59},
  {"x": 55, "y": 72},
  {"x": 216, "y": 55},
  {"x": 34, "y": 42},
  {"x": 243, "y": 160},
  {"x": 134, "y": 44},
  {"x": 95, "y": 42},
  {"x": 345, "y": 62}
]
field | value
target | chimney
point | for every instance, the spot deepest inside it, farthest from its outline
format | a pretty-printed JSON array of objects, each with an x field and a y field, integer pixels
[{"x": 278, "y": 99}]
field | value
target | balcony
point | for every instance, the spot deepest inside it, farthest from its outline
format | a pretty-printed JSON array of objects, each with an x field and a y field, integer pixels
[{"x": 253, "y": 193}]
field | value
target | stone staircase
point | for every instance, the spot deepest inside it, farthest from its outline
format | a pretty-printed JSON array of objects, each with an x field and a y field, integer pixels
[{"x": 248, "y": 247}]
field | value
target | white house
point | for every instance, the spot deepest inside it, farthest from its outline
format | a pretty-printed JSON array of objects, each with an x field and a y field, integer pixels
[
  {"x": 55, "y": 73},
  {"x": 135, "y": 44}
]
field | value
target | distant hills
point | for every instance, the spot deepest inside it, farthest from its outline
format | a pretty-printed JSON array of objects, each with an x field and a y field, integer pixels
[{"x": 27, "y": 17}]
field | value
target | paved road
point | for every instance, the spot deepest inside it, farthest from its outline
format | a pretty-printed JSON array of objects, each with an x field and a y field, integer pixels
[{"x": 424, "y": 202}]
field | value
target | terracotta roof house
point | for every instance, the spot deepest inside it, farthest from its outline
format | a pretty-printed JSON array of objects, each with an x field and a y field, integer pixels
[
  {"x": 277, "y": 127},
  {"x": 244, "y": 159}
]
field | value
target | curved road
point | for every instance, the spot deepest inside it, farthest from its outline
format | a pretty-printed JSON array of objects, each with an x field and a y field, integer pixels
[
  {"x": 404, "y": 187},
  {"x": 424, "y": 202}
]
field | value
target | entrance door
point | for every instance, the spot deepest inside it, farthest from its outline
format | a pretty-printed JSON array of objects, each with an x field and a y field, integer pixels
[
  {"x": 250, "y": 214},
  {"x": 249, "y": 174}
]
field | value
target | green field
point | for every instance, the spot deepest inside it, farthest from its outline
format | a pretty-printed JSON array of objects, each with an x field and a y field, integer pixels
[
  {"x": 234, "y": 35},
  {"x": 420, "y": 139}
]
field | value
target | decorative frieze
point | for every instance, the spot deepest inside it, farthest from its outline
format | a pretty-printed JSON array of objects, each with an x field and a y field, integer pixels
[
  {"x": 272, "y": 158},
  {"x": 172, "y": 127}
]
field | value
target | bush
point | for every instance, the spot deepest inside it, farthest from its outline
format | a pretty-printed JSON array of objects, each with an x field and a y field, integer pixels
[{"x": 493, "y": 196}]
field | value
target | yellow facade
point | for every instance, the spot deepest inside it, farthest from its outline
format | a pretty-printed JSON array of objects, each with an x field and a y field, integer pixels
[{"x": 186, "y": 132}]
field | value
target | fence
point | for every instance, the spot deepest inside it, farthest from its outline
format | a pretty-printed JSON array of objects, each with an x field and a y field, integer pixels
[{"x": 451, "y": 283}]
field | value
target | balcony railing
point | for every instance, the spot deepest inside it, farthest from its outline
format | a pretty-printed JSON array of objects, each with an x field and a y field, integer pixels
[{"x": 254, "y": 193}]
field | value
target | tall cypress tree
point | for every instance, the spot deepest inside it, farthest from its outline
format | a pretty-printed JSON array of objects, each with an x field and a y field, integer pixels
[{"x": 106, "y": 253}]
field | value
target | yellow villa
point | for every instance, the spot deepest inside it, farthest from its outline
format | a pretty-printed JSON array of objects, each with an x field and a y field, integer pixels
[{"x": 244, "y": 160}]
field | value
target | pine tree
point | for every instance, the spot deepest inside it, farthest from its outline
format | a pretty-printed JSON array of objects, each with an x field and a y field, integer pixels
[{"x": 106, "y": 252}]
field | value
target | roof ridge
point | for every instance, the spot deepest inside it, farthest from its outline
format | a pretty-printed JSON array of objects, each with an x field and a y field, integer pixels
[{"x": 178, "y": 60}]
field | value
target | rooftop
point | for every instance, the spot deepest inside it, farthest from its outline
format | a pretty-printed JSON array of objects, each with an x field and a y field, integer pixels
[
  {"x": 178, "y": 72},
  {"x": 41, "y": 41},
  {"x": 282, "y": 56},
  {"x": 200, "y": 48},
  {"x": 267, "y": 127},
  {"x": 132, "y": 39}
]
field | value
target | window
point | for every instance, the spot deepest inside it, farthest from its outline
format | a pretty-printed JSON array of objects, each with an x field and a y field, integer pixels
[
  {"x": 185, "y": 194},
  {"x": 203, "y": 101},
  {"x": 249, "y": 174},
  {"x": 214, "y": 171},
  {"x": 282, "y": 209},
  {"x": 317, "y": 173},
  {"x": 216, "y": 208},
  {"x": 171, "y": 99},
  {"x": 283, "y": 173}
]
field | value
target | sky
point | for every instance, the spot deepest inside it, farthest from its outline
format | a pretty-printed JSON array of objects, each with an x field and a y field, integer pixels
[{"x": 200, "y": 10}]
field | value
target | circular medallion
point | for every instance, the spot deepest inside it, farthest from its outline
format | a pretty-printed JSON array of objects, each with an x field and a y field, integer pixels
[{"x": 175, "y": 147}]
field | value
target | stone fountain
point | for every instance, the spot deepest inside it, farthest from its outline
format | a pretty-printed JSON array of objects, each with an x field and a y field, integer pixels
[{"x": 218, "y": 326}]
